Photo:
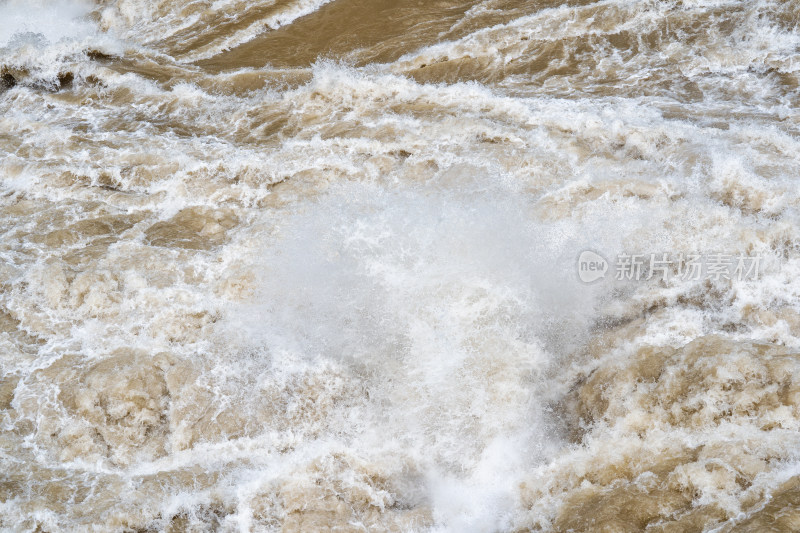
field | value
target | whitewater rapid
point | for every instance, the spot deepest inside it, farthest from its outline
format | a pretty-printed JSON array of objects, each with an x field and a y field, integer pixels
[{"x": 308, "y": 265}]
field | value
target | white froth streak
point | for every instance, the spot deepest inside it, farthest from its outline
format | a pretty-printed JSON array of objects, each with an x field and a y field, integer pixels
[
  {"x": 299, "y": 9},
  {"x": 550, "y": 24},
  {"x": 127, "y": 18},
  {"x": 757, "y": 43}
]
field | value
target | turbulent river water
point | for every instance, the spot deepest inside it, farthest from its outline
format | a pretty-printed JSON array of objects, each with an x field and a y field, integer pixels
[{"x": 363, "y": 265}]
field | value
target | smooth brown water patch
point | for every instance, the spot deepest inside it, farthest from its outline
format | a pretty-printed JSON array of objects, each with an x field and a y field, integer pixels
[{"x": 380, "y": 30}]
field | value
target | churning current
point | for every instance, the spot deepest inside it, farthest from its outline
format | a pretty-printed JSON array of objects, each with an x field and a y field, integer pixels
[{"x": 400, "y": 265}]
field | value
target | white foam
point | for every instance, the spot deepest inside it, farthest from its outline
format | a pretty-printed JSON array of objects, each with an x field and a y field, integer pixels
[
  {"x": 409, "y": 301},
  {"x": 53, "y": 21}
]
